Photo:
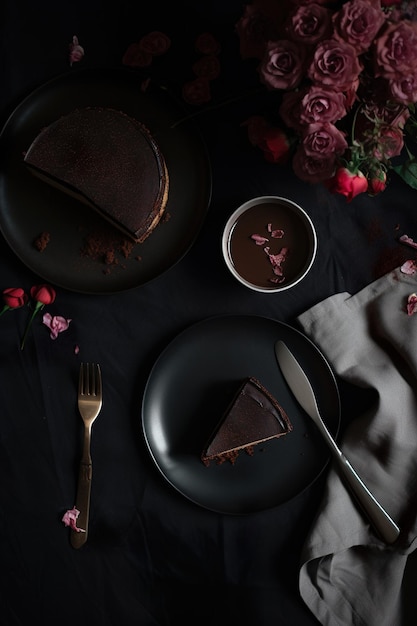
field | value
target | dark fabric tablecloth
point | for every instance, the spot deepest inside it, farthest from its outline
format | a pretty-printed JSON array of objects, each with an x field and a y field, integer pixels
[{"x": 153, "y": 557}]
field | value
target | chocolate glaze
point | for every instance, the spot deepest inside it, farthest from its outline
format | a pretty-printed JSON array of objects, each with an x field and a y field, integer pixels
[
  {"x": 253, "y": 416},
  {"x": 250, "y": 260},
  {"x": 108, "y": 160}
]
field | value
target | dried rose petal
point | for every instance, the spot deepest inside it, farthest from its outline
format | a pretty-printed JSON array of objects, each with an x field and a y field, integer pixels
[
  {"x": 258, "y": 239},
  {"x": 135, "y": 56},
  {"x": 197, "y": 91},
  {"x": 277, "y": 260},
  {"x": 145, "y": 84},
  {"x": 207, "y": 67},
  {"x": 409, "y": 267},
  {"x": 412, "y": 304},
  {"x": 70, "y": 519},
  {"x": 56, "y": 324},
  {"x": 155, "y": 43},
  {"x": 408, "y": 241},
  {"x": 207, "y": 44},
  {"x": 76, "y": 52},
  {"x": 276, "y": 233}
]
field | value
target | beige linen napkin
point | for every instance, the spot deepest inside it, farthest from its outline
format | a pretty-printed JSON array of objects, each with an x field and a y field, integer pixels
[{"x": 348, "y": 575}]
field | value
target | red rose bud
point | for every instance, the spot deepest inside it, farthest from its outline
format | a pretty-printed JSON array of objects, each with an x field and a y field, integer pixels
[
  {"x": 275, "y": 146},
  {"x": 377, "y": 183},
  {"x": 42, "y": 294},
  {"x": 14, "y": 297},
  {"x": 45, "y": 294},
  {"x": 347, "y": 183},
  {"x": 271, "y": 140}
]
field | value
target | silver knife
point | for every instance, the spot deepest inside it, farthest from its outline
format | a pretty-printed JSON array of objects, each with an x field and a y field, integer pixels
[{"x": 301, "y": 388}]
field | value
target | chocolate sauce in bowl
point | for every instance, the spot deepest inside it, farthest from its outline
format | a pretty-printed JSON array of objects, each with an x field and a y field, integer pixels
[{"x": 251, "y": 261}]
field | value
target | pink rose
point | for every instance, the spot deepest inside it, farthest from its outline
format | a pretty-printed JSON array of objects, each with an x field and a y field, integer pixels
[
  {"x": 390, "y": 142},
  {"x": 282, "y": 66},
  {"x": 395, "y": 50},
  {"x": 321, "y": 105},
  {"x": 321, "y": 140},
  {"x": 347, "y": 183},
  {"x": 271, "y": 140},
  {"x": 358, "y": 23},
  {"x": 335, "y": 64},
  {"x": 309, "y": 24},
  {"x": 404, "y": 88},
  {"x": 313, "y": 169}
]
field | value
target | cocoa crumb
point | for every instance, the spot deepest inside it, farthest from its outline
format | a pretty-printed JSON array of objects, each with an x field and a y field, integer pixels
[
  {"x": 126, "y": 248},
  {"x": 106, "y": 247},
  {"x": 42, "y": 241}
]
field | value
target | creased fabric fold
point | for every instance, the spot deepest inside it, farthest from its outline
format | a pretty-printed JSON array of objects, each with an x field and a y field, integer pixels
[{"x": 348, "y": 576}]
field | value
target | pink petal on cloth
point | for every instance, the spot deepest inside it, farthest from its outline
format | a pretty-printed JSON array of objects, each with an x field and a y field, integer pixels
[
  {"x": 56, "y": 324},
  {"x": 70, "y": 519},
  {"x": 409, "y": 267},
  {"x": 412, "y": 304},
  {"x": 76, "y": 52},
  {"x": 408, "y": 241}
]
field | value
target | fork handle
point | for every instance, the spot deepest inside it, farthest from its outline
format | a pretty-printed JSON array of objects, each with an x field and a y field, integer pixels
[{"x": 82, "y": 503}]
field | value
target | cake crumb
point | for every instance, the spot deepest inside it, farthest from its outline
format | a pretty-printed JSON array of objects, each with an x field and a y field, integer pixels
[{"x": 42, "y": 241}]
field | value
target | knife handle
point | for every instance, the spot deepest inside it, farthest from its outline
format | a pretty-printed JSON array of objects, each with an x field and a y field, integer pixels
[
  {"x": 382, "y": 522},
  {"x": 82, "y": 503}
]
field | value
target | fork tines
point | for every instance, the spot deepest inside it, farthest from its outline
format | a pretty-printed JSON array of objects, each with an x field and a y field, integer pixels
[{"x": 90, "y": 379}]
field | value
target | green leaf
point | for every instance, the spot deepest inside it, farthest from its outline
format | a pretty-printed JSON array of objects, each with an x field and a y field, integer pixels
[{"x": 408, "y": 172}]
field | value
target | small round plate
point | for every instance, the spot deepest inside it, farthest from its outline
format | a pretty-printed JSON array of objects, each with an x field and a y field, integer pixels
[{"x": 188, "y": 390}]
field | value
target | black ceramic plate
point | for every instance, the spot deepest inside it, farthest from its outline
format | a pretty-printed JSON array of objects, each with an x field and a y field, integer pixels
[
  {"x": 28, "y": 206},
  {"x": 188, "y": 389}
]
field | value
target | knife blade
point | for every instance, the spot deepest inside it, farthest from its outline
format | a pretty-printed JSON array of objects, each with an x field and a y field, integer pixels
[{"x": 302, "y": 390}]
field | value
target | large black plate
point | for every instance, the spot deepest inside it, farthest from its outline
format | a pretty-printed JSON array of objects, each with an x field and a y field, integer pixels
[
  {"x": 190, "y": 385},
  {"x": 28, "y": 206}
]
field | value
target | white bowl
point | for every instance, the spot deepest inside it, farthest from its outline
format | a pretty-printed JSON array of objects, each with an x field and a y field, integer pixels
[{"x": 287, "y": 244}]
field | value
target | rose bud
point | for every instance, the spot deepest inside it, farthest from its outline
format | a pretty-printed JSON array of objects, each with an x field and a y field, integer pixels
[
  {"x": 45, "y": 294},
  {"x": 377, "y": 182},
  {"x": 14, "y": 297},
  {"x": 349, "y": 184}
]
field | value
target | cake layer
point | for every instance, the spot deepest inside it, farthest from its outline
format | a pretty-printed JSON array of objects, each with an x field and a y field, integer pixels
[
  {"x": 253, "y": 416},
  {"x": 108, "y": 160}
]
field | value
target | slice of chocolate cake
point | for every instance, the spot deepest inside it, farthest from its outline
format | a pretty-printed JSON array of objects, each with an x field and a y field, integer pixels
[
  {"x": 109, "y": 161},
  {"x": 252, "y": 417}
]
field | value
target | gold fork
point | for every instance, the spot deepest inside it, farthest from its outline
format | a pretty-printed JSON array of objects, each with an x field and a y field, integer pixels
[{"x": 89, "y": 405}]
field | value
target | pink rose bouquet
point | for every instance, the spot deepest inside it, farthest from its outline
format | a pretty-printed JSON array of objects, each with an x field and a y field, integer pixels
[{"x": 343, "y": 82}]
